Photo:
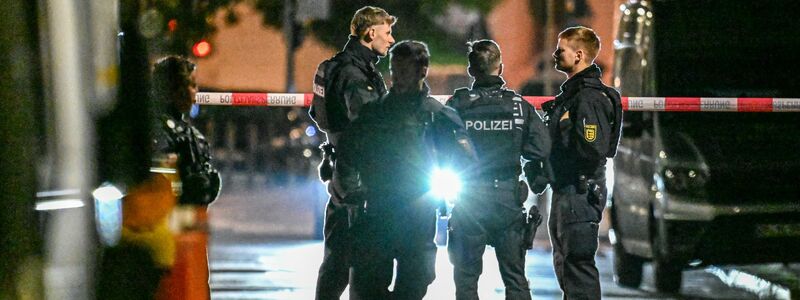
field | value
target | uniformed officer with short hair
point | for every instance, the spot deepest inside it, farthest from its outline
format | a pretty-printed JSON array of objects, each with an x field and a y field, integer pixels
[
  {"x": 386, "y": 159},
  {"x": 503, "y": 127},
  {"x": 584, "y": 122},
  {"x": 342, "y": 86}
]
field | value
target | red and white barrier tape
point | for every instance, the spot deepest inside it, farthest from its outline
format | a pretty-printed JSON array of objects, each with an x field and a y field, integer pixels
[
  {"x": 254, "y": 99},
  {"x": 685, "y": 104}
]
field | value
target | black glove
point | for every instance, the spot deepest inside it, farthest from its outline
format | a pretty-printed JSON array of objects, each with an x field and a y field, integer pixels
[
  {"x": 538, "y": 184},
  {"x": 522, "y": 192},
  {"x": 326, "y": 166},
  {"x": 325, "y": 170},
  {"x": 532, "y": 221},
  {"x": 194, "y": 187},
  {"x": 539, "y": 174}
]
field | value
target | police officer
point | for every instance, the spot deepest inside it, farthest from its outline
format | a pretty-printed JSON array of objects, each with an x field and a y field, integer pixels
[
  {"x": 175, "y": 87},
  {"x": 142, "y": 265},
  {"x": 342, "y": 86},
  {"x": 584, "y": 122},
  {"x": 385, "y": 160},
  {"x": 503, "y": 127}
]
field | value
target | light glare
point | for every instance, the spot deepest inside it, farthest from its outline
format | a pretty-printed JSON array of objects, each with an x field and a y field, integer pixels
[{"x": 445, "y": 184}]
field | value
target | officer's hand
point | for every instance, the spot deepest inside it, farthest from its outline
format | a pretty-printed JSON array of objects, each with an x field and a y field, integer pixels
[
  {"x": 194, "y": 189},
  {"x": 356, "y": 199},
  {"x": 538, "y": 184},
  {"x": 325, "y": 170}
]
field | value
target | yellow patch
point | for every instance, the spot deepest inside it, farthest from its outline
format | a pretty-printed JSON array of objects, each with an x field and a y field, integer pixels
[{"x": 590, "y": 133}]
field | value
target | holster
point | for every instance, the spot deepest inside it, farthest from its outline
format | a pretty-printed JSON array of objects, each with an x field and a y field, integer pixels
[
  {"x": 354, "y": 215},
  {"x": 532, "y": 221},
  {"x": 589, "y": 186}
]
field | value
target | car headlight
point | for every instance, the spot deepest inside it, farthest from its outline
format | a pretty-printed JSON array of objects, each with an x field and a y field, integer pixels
[
  {"x": 686, "y": 181},
  {"x": 445, "y": 184}
]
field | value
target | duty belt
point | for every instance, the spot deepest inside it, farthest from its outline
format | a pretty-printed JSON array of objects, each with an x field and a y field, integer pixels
[{"x": 506, "y": 184}]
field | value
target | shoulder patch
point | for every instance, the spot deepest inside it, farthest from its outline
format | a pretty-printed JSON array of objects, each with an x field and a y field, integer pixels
[{"x": 590, "y": 132}]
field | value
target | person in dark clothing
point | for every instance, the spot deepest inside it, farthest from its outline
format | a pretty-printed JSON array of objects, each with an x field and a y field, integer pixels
[
  {"x": 146, "y": 262},
  {"x": 503, "y": 127},
  {"x": 342, "y": 86},
  {"x": 584, "y": 122},
  {"x": 386, "y": 158},
  {"x": 174, "y": 85}
]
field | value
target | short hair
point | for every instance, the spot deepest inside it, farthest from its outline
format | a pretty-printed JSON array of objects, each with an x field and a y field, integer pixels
[
  {"x": 411, "y": 53},
  {"x": 484, "y": 56},
  {"x": 369, "y": 16},
  {"x": 171, "y": 76},
  {"x": 586, "y": 38}
]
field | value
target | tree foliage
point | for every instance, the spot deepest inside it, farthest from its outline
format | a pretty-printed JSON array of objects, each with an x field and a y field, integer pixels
[{"x": 416, "y": 20}]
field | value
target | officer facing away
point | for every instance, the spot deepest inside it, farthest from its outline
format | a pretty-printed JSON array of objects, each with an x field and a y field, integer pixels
[
  {"x": 584, "y": 122},
  {"x": 503, "y": 127},
  {"x": 342, "y": 85},
  {"x": 385, "y": 160}
]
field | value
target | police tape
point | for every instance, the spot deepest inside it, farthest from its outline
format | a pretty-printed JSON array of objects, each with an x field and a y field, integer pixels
[
  {"x": 682, "y": 104},
  {"x": 254, "y": 99}
]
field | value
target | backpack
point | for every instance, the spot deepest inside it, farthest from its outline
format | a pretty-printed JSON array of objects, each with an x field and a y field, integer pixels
[
  {"x": 323, "y": 77},
  {"x": 494, "y": 122},
  {"x": 616, "y": 105},
  {"x": 616, "y": 122}
]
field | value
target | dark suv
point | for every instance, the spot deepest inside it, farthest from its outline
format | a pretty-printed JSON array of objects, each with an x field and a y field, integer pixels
[{"x": 698, "y": 188}]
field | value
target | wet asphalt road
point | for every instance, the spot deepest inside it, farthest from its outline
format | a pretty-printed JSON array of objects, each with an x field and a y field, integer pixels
[{"x": 263, "y": 248}]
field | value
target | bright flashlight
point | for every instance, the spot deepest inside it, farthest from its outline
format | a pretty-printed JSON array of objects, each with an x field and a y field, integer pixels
[{"x": 445, "y": 184}]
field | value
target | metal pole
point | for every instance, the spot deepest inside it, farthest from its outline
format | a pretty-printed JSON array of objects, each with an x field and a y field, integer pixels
[
  {"x": 550, "y": 32},
  {"x": 20, "y": 86},
  {"x": 288, "y": 33}
]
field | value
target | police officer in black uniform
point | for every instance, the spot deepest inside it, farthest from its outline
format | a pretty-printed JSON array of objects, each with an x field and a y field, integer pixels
[
  {"x": 385, "y": 160},
  {"x": 584, "y": 122},
  {"x": 503, "y": 127},
  {"x": 175, "y": 87},
  {"x": 342, "y": 85}
]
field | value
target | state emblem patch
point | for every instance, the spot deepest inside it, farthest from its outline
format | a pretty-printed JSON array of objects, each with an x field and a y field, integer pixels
[{"x": 590, "y": 133}]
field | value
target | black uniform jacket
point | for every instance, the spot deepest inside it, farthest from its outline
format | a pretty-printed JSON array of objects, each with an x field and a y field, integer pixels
[
  {"x": 533, "y": 143},
  {"x": 580, "y": 122},
  {"x": 353, "y": 82},
  {"x": 395, "y": 144},
  {"x": 200, "y": 179}
]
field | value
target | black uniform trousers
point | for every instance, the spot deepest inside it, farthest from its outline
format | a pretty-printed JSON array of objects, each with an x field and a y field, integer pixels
[
  {"x": 492, "y": 217},
  {"x": 385, "y": 234},
  {"x": 334, "y": 272},
  {"x": 573, "y": 229}
]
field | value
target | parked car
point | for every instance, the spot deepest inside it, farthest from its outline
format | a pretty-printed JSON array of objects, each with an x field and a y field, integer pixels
[{"x": 698, "y": 188}]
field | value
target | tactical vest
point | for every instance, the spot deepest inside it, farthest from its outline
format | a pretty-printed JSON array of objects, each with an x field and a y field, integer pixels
[
  {"x": 400, "y": 139},
  {"x": 553, "y": 109},
  {"x": 200, "y": 180},
  {"x": 331, "y": 115},
  {"x": 616, "y": 120},
  {"x": 495, "y": 122},
  {"x": 322, "y": 79}
]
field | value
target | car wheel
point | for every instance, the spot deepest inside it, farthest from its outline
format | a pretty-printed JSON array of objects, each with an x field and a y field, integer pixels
[
  {"x": 627, "y": 267},
  {"x": 668, "y": 276},
  {"x": 667, "y": 273}
]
